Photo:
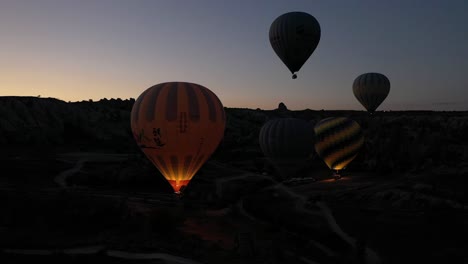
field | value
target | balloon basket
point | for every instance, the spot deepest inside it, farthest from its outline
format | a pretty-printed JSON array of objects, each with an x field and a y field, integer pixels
[
  {"x": 178, "y": 195},
  {"x": 336, "y": 175}
]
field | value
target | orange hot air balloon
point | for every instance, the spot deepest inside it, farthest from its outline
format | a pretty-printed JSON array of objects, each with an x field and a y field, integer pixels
[{"x": 178, "y": 126}]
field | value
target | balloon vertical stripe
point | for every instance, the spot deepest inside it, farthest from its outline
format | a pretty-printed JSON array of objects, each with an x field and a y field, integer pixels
[
  {"x": 175, "y": 168},
  {"x": 162, "y": 165},
  {"x": 188, "y": 160},
  {"x": 194, "y": 109},
  {"x": 221, "y": 110},
  {"x": 151, "y": 101},
  {"x": 136, "y": 105},
  {"x": 211, "y": 107},
  {"x": 171, "y": 106}
]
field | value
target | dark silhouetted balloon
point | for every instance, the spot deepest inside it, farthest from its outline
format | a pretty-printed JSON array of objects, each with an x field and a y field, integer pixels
[
  {"x": 338, "y": 140},
  {"x": 287, "y": 143},
  {"x": 371, "y": 89},
  {"x": 178, "y": 126},
  {"x": 294, "y": 36}
]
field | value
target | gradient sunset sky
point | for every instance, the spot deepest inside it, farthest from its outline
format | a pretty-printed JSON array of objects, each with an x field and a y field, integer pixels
[{"x": 90, "y": 49}]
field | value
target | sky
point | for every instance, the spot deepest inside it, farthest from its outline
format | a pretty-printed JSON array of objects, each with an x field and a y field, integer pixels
[{"x": 93, "y": 49}]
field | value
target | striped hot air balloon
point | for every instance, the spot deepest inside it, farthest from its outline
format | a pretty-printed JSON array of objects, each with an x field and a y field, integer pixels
[
  {"x": 371, "y": 89},
  {"x": 178, "y": 126},
  {"x": 288, "y": 143},
  {"x": 338, "y": 140},
  {"x": 294, "y": 36}
]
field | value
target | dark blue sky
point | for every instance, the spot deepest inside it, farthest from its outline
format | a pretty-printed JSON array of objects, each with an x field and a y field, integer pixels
[{"x": 90, "y": 49}]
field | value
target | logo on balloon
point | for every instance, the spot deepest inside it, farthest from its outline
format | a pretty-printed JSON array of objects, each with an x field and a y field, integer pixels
[{"x": 157, "y": 139}]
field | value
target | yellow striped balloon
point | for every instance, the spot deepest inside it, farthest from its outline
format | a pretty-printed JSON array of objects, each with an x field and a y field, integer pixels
[
  {"x": 178, "y": 125},
  {"x": 338, "y": 140}
]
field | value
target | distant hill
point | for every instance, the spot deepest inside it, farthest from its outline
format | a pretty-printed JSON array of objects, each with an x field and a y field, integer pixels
[
  {"x": 395, "y": 140},
  {"x": 31, "y": 121}
]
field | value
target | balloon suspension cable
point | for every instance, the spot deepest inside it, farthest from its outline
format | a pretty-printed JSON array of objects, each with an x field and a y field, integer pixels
[{"x": 294, "y": 76}]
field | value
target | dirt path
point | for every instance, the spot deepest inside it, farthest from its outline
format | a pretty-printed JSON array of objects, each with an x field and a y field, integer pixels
[
  {"x": 80, "y": 158},
  {"x": 61, "y": 178}
]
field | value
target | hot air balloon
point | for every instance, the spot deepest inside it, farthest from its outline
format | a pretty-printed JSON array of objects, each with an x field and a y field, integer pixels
[
  {"x": 288, "y": 143},
  {"x": 338, "y": 140},
  {"x": 178, "y": 125},
  {"x": 371, "y": 89},
  {"x": 294, "y": 36}
]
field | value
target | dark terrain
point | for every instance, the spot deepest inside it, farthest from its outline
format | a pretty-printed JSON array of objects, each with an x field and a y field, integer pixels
[{"x": 75, "y": 188}]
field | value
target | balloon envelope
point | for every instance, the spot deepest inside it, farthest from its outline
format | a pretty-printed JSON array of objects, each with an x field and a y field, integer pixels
[
  {"x": 178, "y": 126},
  {"x": 371, "y": 89},
  {"x": 294, "y": 36},
  {"x": 338, "y": 140},
  {"x": 287, "y": 142}
]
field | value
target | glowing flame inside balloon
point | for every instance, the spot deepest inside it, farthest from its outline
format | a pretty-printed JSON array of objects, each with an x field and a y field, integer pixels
[{"x": 338, "y": 141}]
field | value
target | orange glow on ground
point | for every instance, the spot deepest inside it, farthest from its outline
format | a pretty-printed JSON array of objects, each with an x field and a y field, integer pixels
[
  {"x": 211, "y": 230},
  {"x": 343, "y": 178}
]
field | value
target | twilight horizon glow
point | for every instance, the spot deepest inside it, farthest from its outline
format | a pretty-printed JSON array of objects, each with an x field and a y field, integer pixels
[{"x": 84, "y": 50}]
